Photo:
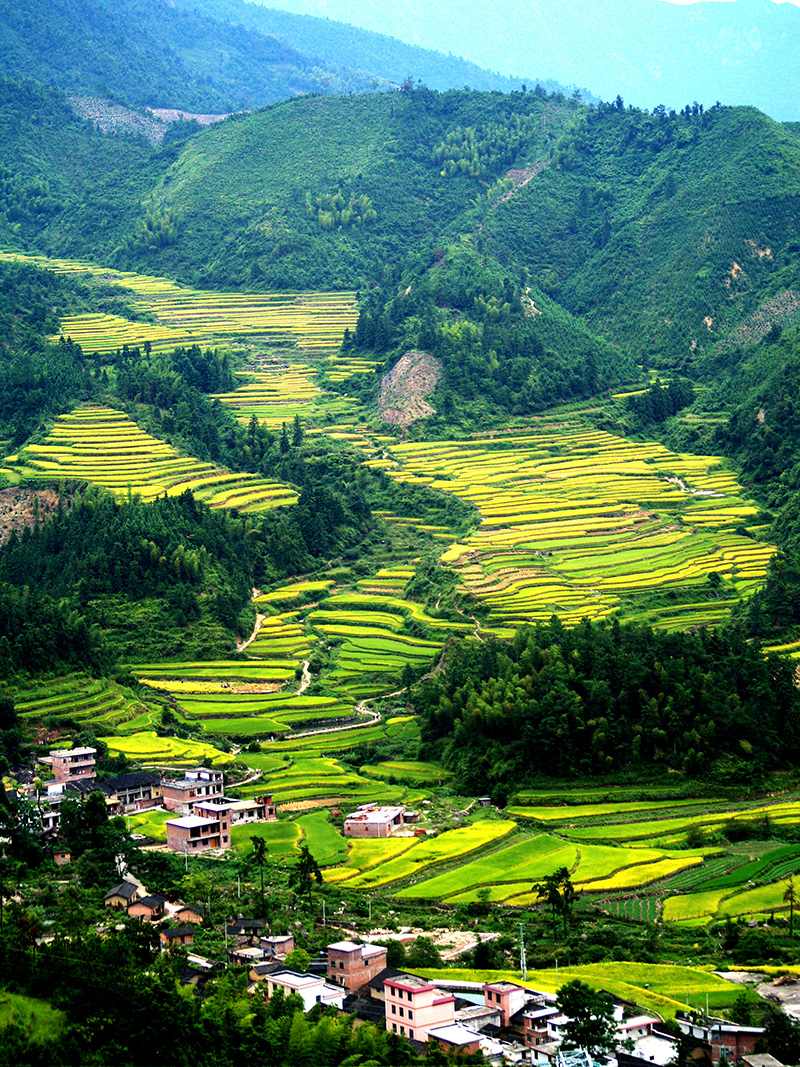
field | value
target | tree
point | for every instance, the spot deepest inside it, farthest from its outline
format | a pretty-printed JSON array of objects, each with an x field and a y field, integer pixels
[
  {"x": 305, "y": 873},
  {"x": 591, "y": 1017},
  {"x": 297, "y": 960},
  {"x": 790, "y": 896},
  {"x": 260, "y": 851},
  {"x": 558, "y": 891}
]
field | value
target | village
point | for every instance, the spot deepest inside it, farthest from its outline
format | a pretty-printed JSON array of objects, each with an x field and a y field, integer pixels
[{"x": 507, "y": 1023}]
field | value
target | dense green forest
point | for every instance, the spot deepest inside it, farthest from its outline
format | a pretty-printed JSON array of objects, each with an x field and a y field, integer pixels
[{"x": 570, "y": 702}]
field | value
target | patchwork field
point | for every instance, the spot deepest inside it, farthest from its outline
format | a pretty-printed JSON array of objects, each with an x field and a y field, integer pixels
[
  {"x": 583, "y": 524},
  {"x": 178, "y": 315},
  {"x": 105, "y": 447},
  {"x": 149, "y": 750}
]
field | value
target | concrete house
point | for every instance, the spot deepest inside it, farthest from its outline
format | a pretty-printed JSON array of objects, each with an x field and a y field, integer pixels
[
  {"x": 313, "y": 989},
  {"x": 369, "y": 820},
  {"x": 414, "y": 1006},
  {"x": 121, "y": 896},
  {"x": 201, "y": 784}
]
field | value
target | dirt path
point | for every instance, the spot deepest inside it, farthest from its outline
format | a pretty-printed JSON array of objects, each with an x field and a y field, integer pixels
[
  {"x": 306, "y": 680},
  {"x": 242, "y": 645},
  {"x": 362, "y": 708}
]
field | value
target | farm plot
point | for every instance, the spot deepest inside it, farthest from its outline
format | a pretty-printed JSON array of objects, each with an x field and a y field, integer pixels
[
  {"x": 105, "y": 447},
  {"x": 661, "y": 988},
  {"x": 450, "y": 845},
  {"x": 583, "y": 524},
  {"x": 417, "y": 773},
  {"x": 150, "y": 750},
  {"x": 310, "y": 320},
  {"x": 509, "y": 875},
  {"x": 305, "y": 781},
  {"x": 77, "y": 699},
  {"x": 324, "y": 841}
]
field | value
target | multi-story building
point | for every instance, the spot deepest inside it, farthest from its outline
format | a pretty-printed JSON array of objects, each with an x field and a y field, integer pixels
[
  {"x": 730, "y": 1039},
  {"x": 201, "y": 784},
  {"x": 354, "y": 966},
  {"x": 73, "y": 764},
  {"x": 414, "y": 1006},
  {"x": 198, "y": 833}
]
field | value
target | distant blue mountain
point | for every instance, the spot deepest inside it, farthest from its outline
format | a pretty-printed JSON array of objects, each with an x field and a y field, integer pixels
[{"x": 648, "y": 51}]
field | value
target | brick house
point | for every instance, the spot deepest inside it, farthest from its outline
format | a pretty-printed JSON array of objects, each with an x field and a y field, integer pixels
[
  {"x": 187, "y": 914},
  {"x": 176, "y": 935},
  {"x": 414, "y": 1006},
  {"x": 723, "y": 1036},
  {"x": 354, "y": 966},
  {"x": 73, "y": 764},
  {"x": 455, "y": 1037},
  {"x": 148, "y": 908}
]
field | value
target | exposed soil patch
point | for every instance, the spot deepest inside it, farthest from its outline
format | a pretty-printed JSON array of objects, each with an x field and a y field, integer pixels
[
  {"x": 168, "y": 114},
  {"x": 111, "y": 118},
  {"x": 403, "y": 390},
  {"x": 783, "y": 309},
  {"x": 24, "y": 507}
]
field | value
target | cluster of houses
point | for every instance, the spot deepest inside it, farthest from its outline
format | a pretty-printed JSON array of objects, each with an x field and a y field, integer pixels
[
  {"x": 176, "y": 922},
  {"x": 203, "y": 814},
  {"x": 504, "y": 1021}
]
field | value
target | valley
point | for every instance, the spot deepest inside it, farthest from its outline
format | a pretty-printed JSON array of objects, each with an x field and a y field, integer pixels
[{"x": 366, "y": 473}]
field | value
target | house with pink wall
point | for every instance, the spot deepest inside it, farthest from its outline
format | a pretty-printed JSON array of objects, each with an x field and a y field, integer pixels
[{"x": 414, "y": 1006}]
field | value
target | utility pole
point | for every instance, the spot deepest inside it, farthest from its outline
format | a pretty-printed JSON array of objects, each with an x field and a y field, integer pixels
[
  {"x": 523, "y": 963},
  {"x": 323, "y": 911}
]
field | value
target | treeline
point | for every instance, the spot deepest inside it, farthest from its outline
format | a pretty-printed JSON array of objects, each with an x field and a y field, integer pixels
[
  {"x": 600, "y": 697},
  {"x": 505, "y": 347},
  {"x": 39, "y": 633},
  {"x": 660, "y": 402},
  {"x": 124, "y": 1004}
]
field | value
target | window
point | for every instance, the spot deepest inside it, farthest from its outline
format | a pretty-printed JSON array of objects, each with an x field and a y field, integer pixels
[
  {"x": 341, "y": 965},
  {"x": 410, "y": 1014},
  {"x": 408, "y": 994},
  {"x": 401, "y": 1013},
  {"x": 403, "y": 1031},
  {"x": 394, "y": 1009},
  {"x": 394, "y": 1027}
]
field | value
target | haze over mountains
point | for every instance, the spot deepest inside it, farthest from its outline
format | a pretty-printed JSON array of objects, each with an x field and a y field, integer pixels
[{"x": 649, "y": 51}]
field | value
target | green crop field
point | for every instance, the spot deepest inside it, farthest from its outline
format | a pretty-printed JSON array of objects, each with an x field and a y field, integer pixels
[
  {"x": 151, "y": 750},
  {"x": 282, "y": 838},
  {"x": 324, "y": 841},
  {"x": 661, "y": 988},
  {"x": 37, "y": 1017}
]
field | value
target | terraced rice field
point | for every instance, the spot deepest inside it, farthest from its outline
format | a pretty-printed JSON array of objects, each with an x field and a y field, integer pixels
[
  {"x": 420, "y": 853},
  {"x": 106, "y": 448},
  {"x": 662, "y": 988},
  {"x": 77, "y": 700},
  {"x": 583, "y": 524},
  {"x": 278, "y": 392},
  {"x": 187, "y": 316},
  {"x": 150, "y": 750}
]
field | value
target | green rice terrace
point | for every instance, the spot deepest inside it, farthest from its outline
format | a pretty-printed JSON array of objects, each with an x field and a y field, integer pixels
[{"x": 569, "y": 521}]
